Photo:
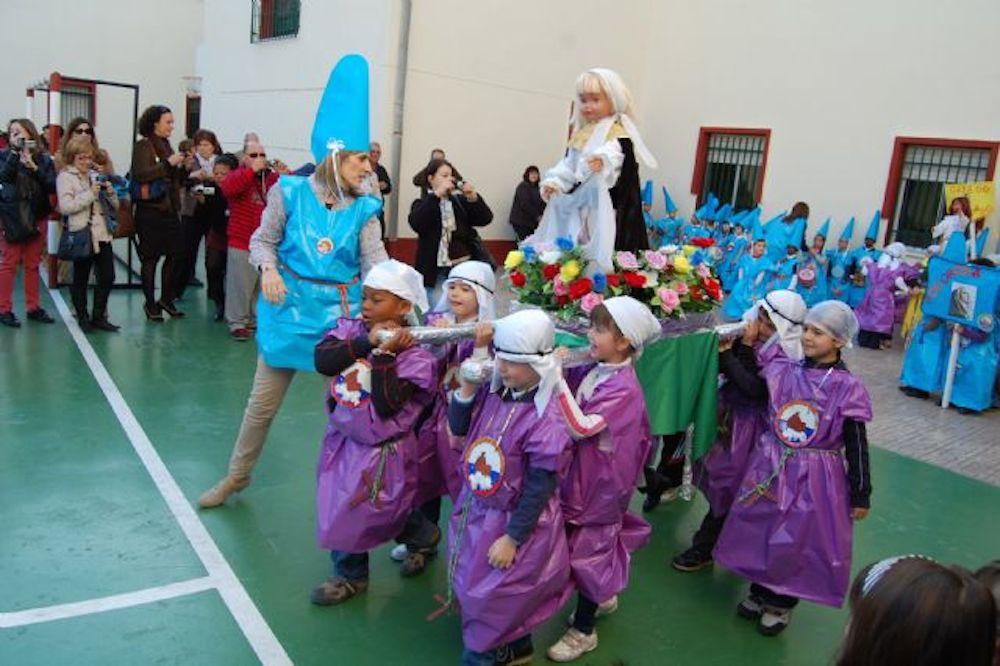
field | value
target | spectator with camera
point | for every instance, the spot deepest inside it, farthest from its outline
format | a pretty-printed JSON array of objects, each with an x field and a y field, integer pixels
[
  {"x": 212, "y": 213},
  {"x": 445, "y": 220},
  {"x": 158, "y": 173},
  {"x": 246, "y": 191},
  {"x": 81, "y": 188},
  {"x": 27, "y": 178}
]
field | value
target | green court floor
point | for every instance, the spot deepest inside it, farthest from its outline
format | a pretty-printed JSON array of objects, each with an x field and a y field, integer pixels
[{"x": 81, "y": 519}]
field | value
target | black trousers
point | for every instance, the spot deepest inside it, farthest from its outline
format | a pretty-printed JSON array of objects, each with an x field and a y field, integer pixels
[
  {"x": 195, "y": 228},
  {"x": 708, "y": 533},
  {"x": 103, "y": 263},
  {"x": 771, "y": 598},
  {"x": 872, "y": 340},
  {"x": 669, "y": 473},
  {"x": 215, "y": 275},
  {"x": 160, "y": 237}
]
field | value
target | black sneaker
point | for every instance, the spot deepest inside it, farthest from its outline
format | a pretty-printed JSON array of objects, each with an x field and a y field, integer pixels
[
  {"x": 40, "y": 315},
  {"x": 9, "y": 319},
  {"x": 914, "y": 392},
  {"x": 170, "y": 309},
  {"x": 692, "y": 559},
  {"x": 773, "y": 620},
  {"x": 514, "y": 654},
  {"x": 750, "y": 608},
  {"x": 102, "y": 324}
]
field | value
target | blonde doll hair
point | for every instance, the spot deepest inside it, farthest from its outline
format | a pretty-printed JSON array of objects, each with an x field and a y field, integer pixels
[{"x": 608, "y": 82}]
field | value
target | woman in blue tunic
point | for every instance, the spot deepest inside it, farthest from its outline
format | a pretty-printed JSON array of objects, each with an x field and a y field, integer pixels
[
  {"x": 811, "y": 276},
  {"x": 318, "y": 235},
  {"x": 840, "y": 264},
  {"x": 753, "y": 278}
]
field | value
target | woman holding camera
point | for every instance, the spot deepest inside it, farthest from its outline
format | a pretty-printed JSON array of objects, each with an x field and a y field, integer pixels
[
  {"x": 158, "y": 173},
  {"x": 79, "y": 188},
  {"x": 27, "y": 178},
  {"x": 445, "y": 220}
]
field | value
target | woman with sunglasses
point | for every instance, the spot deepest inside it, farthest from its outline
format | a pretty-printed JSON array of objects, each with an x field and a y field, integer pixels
[{"x": 159, "y": 173}]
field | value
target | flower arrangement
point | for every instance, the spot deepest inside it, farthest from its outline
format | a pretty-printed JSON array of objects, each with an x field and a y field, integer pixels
[{"x": 673, "y": 280}]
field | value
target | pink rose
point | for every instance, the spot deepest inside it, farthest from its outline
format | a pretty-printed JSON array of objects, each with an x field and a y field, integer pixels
[
  {"x": 559, "y": 287},
  {"x": 680, "y": 287},
  {"x": 703, "y": 271},
  {"x": 590, "y": 301},
  {"x": 627, "y": 260},
  {"x": 669, "y": 300},
  {"x": 655, "y": 259}
]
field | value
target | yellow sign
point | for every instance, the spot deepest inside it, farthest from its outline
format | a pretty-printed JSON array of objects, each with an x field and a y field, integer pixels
[{"x": 982, "y": 196}]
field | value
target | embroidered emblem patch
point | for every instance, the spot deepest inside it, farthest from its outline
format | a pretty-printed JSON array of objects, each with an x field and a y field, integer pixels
[
  {"x": 352, "y": 388},
  {"x": 484, "y": 466},
  {"x": 324, "y": 245},
  {"x": 796, "y": 423},
  {"x": 837, "y": 271},
  {"x": 985, "y": 322},
  {"x": 807, "y": 276}
]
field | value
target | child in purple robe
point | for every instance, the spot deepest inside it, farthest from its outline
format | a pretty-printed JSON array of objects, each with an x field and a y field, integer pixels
[
  {"x": 789, "y": 529},
  {"x": 366, "y": 478},
  {"x": 508, "y": 563},
  {"x": 468, "y": 297},
  {"x": 886, "y": 281},
  {"x": 773, "y": 328},
  {"x": 607, "y": 421}
]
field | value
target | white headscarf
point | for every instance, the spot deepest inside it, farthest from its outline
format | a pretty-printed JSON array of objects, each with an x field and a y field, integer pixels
[
  {"x": 787, "y": 311},
  {"x": 890, "y": 255},
  {"x": 479, "y": 276},
  {"x": 621, "y": 98},
  {"x": 835, "y": 318},
  {"x": 634, "y": 320},
  {"x": 400, "y": 279},
  {"x": 528, "y": 336}
]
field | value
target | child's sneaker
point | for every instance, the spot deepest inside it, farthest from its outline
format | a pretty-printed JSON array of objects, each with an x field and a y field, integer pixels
[
  {"x": 750, "y": 608},
  {"x": 573, "y": 645},
  {"x": 398, "y": 554},
  {"x": 514, "y": 654},
  {"x": 336, "y": 590},
  {"x": 773, "y": 620},
  {"x": 692, "y": 559}
]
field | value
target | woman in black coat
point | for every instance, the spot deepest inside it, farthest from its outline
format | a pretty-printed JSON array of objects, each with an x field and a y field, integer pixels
[
  {"x": 445, "y": 220},
  {"x": 527, "y": 209}
]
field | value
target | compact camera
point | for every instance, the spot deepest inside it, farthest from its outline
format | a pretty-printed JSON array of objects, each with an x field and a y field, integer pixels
[
  {"x": 205, "y": 190},
  {"x": 25, "y": 144}
]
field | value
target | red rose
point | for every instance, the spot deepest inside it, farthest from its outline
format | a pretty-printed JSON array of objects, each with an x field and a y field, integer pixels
[
  {"x": 702, "y": 242},
  {"x": 580, "y": 288},
  {"x": 562, "y": 300},
  {"x": 550, "y": 271},
  {"x": 614, "y": 279},
  {"x": 517, "y": 278},
  {"x": 634, "y": 280},
  {"x": 695, "y": 293},
  {"x": 713, "y": 288}
]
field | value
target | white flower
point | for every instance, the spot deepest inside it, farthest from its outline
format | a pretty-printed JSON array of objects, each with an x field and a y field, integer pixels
[
  {"x": 550, "y": 257},
  {"x": 651, "y": 278},
  {"x": 669, "y": 249}
]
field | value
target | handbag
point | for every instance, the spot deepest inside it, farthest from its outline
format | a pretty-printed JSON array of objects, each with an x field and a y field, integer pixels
[
  {"x": 74, "y": 245},
  {"x": 148, "y": 192},
  {"x": 126, "y": 220}
]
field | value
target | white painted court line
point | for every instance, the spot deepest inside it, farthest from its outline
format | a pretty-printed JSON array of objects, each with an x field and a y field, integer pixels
[
  {"x": 263, "y": 641},
  {"x": 103, "y": 604}
]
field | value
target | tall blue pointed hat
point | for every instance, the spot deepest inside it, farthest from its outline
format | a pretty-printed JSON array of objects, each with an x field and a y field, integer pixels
[
  {"x": 752, "y": 218},
  {"x": 824, "y": 231},
  {"x": 757, "y": 234},
  {"x": 955, "y": 250},
  {"x": 848, "y": 232},
  {"x": 777, "y": 218},
  {"x": 671, "y": 207},
  {"x": 981, "y": 239},
  {"x": 723, "y": 213},
  {"x": 342, "y": 117},
  {"x": 737, "y": 218},
  {"x": 647, "y": 193},
  {"x": 872, "y": 232}
]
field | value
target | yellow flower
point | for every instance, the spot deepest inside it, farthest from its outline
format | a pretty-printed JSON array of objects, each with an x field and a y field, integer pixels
[
  {"x": 514, "y": 259},
  {"x": 689, "y": 250},
  {"x": 681, "y": 265},
  {"x": 570, "y": 270}
]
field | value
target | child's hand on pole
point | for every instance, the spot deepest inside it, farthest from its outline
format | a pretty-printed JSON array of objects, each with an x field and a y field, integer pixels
[{"x": 859, "y": 513}]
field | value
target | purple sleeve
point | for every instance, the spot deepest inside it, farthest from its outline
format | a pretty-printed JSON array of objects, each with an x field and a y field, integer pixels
[
  {"x": 548, "y": 440},
  {"x": 856, "y": 403}
]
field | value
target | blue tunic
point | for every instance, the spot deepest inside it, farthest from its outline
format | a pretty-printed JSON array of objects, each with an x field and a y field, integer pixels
[
  {"x": 751, "y": 286},
  {"x": 926, "y": 358},
  {"x": 319, "y": 259},
  {"x": 840, "y": 266},
  {"x": 857, "y": 293},
  {"x": 818, "y": 290}
]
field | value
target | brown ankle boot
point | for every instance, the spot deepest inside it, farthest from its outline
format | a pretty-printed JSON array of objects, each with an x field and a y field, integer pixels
[{"x": 217, "y": 494}]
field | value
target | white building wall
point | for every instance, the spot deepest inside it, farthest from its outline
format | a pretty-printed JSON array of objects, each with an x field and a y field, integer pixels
[
  {"x": 835, "y": 81},
  {"x": 148, "y": 43}
]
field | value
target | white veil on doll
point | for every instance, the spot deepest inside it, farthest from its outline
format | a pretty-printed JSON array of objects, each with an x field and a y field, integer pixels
[{"x": 585, "y": 213}]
